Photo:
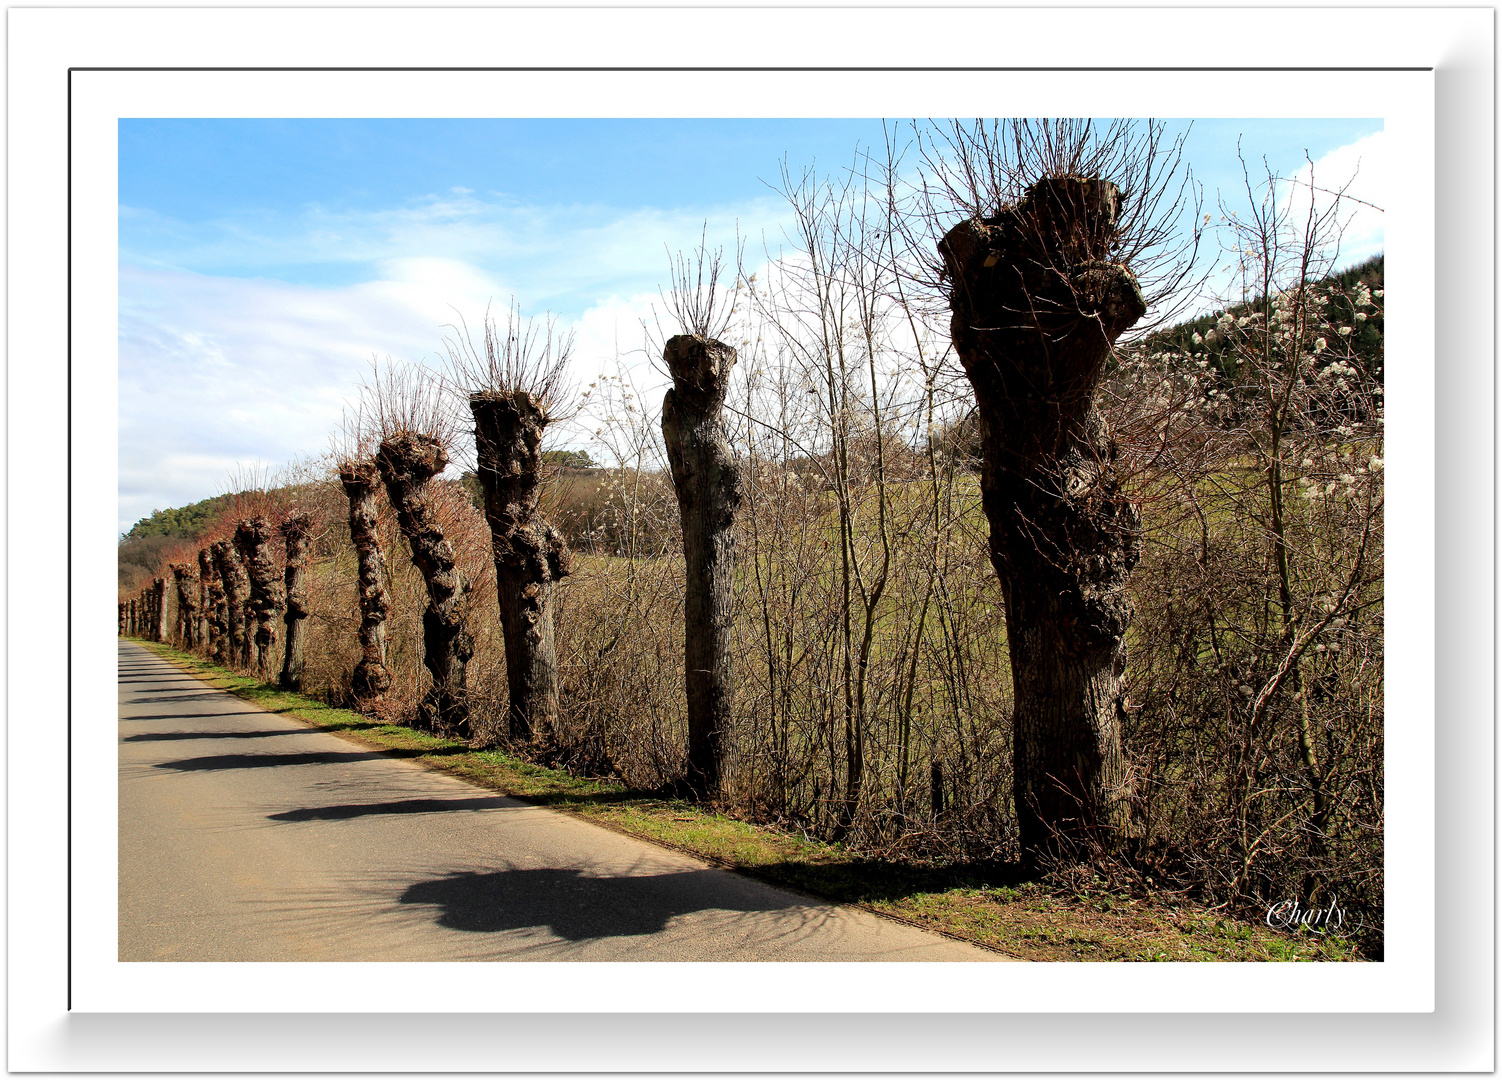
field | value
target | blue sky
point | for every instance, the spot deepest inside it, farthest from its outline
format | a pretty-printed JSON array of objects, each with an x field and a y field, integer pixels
[{"x": 262, "y": 255}]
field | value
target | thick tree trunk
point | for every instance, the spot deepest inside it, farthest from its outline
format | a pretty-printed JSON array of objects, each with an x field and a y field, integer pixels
[
  {"x": 531, "y": 556},
  {"x": 236, "y": 588},
  {"x": 1037, "y": 307},
  {"x": 185, "y": 577},
  {"x": 708, "y": 483},
  {"x": 296, "y": 529},
  {"x": 123, "y": 621},
  {"x": 130, "y": 618},
  {"x": 253, "y": 542},
  {"x": 205, "y": 608},
  {"x": 159, "y": 625},
  {"x": 407, "y": 463},
  {"x": 214, "y": 624},
  {"x": 206, "y": 576},
  {"x": 372, "y": 678}
]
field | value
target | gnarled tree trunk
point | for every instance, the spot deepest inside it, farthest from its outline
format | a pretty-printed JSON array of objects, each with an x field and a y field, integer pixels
[
  {"x": 123, "y": 624},
  {"x": 253, "y": 541},
  {"x": 159, "y": 627},
  {"x": 296, "y": 529},
  {"x": 372, "y": 678},
  {"x": 214, "y": 622},
  {"x": 205, "y": 607},
  {"x": 530, "y": 554},
  {"x": 708, "y": 483},
  {"x": 236, "y": 587},
  {"x": 1037, "y": 306},
  {"x": 407, "y": 463},
  {"x": 185, "y": 577}
]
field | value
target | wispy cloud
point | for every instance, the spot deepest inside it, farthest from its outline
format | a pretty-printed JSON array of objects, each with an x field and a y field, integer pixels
[{"x": 220, "y": 363}]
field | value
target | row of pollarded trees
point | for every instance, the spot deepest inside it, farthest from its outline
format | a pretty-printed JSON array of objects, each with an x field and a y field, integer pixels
[
  {"x": 1034, "y": 273},
  {"x": 230, "y": 601},
  {"x": 865, "y": 650}
]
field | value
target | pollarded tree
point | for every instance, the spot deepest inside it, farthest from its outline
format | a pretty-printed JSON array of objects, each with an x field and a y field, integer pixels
[
  {"x": 253, "y": 542},
  {"x": 407, "y": 412},
  {"x": 360, "y": 480},
  {"x": 296, "y": 529},
  {"x": 215, "y": 637},
  {"x": 158, "y": 594},
  {"x": 236, "y": 587},
  {"x": 511, "y": 384},
  {"x": 1039, "y": 276},
  {"x": 185, "y": 578},
  {"x": 708, "y": 483}
]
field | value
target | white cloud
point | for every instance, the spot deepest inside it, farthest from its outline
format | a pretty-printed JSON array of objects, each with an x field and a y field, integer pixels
[
  {"x": 218, "y": 370},
  {"x": 1358, "y": 174}
]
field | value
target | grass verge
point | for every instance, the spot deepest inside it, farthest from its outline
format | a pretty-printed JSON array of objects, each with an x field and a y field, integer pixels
[{"x": 988, "y": 906}]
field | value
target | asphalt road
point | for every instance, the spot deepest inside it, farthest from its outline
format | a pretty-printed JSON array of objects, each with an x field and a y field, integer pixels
[{"x": 245, "y": 835}]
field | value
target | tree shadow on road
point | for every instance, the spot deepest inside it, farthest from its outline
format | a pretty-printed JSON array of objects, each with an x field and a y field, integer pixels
[
  {"x": 214, "y": 762},
  {"x": 403, "y": 806},
  {"x": 177, "y": 736},
  {"x": 578, "y": 908}
]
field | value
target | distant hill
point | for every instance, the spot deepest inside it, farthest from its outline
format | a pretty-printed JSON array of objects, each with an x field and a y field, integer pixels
[
  {"x": 1366, "y": 339},
  {"x": 183, "y": 522}
]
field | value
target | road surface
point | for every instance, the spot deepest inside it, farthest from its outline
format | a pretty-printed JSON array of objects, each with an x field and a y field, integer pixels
[{"x": 245, "y": 835}]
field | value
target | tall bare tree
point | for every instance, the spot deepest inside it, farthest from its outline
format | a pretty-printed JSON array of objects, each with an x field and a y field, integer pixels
[
  {"x": 407, "y": 411},
  {"x": 360, "y": 480},
  {"x": 511, "y": 382},
  {"x": 236, "y": 586},
  {"x": 296, "y": 529},
  {"x": 1038, "y": 277},
  {"x": 253, "y": 542},
  {"x": 215, "y": 628},
  {"x": 185, "y": 578},
  {"x": 707, "y": 480}
]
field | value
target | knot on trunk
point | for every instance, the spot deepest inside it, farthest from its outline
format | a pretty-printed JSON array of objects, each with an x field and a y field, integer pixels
[
  {"x": 508, "y": 444},
  {"x": 701, "y": 371},
  {"x": 535, "y": 548},
  {"x": 295, "y": 528},
  {"x": 411, "y": 457},
  {"x": 250, "y": 535},
  {"x": 358, "y": 476}
]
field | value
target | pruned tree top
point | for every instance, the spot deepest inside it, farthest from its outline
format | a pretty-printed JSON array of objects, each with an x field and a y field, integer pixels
[
  {"x": 515, "y": 359},
  {"x": 986, "y": 170},
  {"x": 697, "y": 302},
  {"x": 401, "y": 400}
]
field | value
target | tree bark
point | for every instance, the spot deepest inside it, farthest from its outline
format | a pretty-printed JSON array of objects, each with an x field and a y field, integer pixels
[
  {"x": 209, "y": 601},
  {"x": 159, "y": 628},
  {"x": 1037, "y": 306},
  {"x": 214, "y": 634},
  {"x": 205, "y": 606},
  {"x": 123, "y": 620},
  {"x": 236, "y": 587},
  {"x": 295, "y": 529},
  {"x": 531, "y": 556},
  {"x": 253, "y": 541},
  {"x": 407, "y": 462},
  {"x": 186, "y": 579},
  {"x": 372, "y": 678},
  {"x": 708, "y": 483}
]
